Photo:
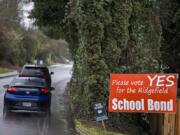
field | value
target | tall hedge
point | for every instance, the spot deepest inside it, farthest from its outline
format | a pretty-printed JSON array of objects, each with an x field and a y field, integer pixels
[{"x": 170, "y": 20}]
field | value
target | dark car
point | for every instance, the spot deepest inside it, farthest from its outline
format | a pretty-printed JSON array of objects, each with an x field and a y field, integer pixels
[
  {"x": 36, "y": 71},
  {"x": 29, "y": 94}
]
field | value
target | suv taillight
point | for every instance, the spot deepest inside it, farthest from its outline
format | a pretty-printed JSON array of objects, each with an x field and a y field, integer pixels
[
  {"x": 44, "y": 90},
  {"x": 23, "y": 75},
  {"x": 11, "y": 89}
]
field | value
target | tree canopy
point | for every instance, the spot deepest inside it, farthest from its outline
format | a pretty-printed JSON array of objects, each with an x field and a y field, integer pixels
[{"x": 19, "y": 46}]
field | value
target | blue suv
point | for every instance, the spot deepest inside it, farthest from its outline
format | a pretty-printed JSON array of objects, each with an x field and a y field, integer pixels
[{"x": 29, "y": 94}]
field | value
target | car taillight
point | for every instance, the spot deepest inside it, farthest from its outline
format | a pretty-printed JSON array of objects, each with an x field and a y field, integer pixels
[
  {"x": 11, "y": 89},
  {"x": 44, "y": 90},
  {"x": 45, "y": 75}
]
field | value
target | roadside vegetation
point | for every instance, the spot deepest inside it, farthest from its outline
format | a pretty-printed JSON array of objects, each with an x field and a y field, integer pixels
[
  {"x": 5, "y": 70},
  {"x": 19, "y": 45},
  {"x": 88, "y": 129}
]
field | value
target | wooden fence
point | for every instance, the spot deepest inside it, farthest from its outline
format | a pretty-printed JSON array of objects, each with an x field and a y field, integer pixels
[{"x": 166, "y": 124}]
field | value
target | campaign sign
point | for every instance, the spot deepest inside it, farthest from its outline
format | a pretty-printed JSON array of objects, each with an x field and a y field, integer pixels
[
  {"x": 100, "y": 111},
  {"x": 152, "y": 93}
]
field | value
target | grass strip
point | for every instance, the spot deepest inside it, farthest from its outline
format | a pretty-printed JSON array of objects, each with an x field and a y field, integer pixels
[
  {"x": 92, "y": 130},
  {"x": 5, "y": 70}
]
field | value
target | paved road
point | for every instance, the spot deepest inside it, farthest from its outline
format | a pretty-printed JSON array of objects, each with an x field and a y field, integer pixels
[{"x": 59, "y": 123}]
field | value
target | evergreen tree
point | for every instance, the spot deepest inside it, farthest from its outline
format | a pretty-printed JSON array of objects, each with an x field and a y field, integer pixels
[{"x": 170, "y": 20}]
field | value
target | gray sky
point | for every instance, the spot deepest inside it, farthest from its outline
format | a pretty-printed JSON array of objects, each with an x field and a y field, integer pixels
[{"x": 25, "y": 9}]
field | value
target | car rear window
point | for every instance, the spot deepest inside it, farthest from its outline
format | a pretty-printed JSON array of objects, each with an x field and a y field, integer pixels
[{"x": 28, "y": 82}]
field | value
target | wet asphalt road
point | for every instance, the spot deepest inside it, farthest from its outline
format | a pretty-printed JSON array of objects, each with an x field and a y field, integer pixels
[{"x": 59, "y": 123}]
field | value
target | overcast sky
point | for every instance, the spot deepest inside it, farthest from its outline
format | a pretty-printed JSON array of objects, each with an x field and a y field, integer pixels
[{"x": 24, "y": 13}]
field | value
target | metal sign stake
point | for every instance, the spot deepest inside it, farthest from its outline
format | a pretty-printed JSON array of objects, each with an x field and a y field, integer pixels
[{"x": 104, "y": 126}]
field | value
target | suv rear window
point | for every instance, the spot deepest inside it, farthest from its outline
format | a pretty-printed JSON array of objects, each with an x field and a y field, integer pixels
[{"x": 34, "y": 71}]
